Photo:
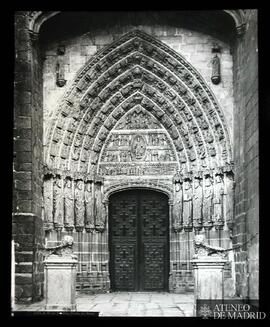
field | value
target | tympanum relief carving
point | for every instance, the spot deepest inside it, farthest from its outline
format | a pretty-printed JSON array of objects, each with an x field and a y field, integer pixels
[{"x": 138, "y": 145}]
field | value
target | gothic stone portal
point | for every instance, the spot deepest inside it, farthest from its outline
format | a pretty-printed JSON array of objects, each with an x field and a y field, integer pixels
[
  {"x": 138, "y": 115},
  {"x": 139, "y": 236}
]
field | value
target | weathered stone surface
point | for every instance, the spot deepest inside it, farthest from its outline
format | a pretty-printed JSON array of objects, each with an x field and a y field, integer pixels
[
  {"x": 208, "y": 263},
  {"x": 60, "y": 270}
]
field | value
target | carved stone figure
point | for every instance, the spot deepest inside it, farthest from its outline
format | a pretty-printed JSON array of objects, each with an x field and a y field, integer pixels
[
  {"x": 138, "y": 147},
  {"x": 60, "y": 74},
  {"x": 68, "y": 205},
  {"x": 187, "y": 203},
  {"x": 65, "y": 249},
  {"x": 202, "y": 249},
  {"x": 229, "y": 198},
  {"x": 115, "y": 140},
  {"x": 89, "y": 207},
  {"x": 48, "y": 202},
  {"x": 162, "y": 139},
  {"x": 177, "y": 207},
  {"x": 218, "y": 200},
  {"x": 154, "y": 155},
  {"x": 147, "y": 157},
  {"x": 100, "y": 210},
  {"x": 197, "y": 202},
  {"x": 79, "y": 204},
  {"x": 208, "y": 202},
  {"x": 215, "y": 70},
  {"x": 58, "y": 203}
]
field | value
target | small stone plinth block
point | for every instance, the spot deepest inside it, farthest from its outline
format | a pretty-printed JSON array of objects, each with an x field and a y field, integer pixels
[{"x": 60, "y": 278}]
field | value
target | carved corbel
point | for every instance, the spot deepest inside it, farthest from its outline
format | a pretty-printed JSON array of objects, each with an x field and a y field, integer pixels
[{"x": 178, "y": 178}]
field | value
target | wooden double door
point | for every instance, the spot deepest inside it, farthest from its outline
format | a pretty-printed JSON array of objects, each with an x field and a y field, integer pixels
[{"x": 139, "y": 241}]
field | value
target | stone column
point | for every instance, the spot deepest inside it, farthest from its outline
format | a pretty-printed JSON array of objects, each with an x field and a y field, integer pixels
[{"x": 60, "y": 277}]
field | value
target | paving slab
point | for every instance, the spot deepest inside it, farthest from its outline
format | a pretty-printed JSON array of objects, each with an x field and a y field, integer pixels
[{"x": 132, "y": 304}]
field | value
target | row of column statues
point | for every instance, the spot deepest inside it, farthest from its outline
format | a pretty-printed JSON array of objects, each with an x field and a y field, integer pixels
[
  {"x": 73, "y": 204},
  {"x": 203, "y": 202}
]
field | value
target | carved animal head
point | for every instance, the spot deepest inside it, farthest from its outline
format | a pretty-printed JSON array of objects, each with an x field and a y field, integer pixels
[
  {"x": 199, "y": 239},
  {"x": 67, "y": 241}
]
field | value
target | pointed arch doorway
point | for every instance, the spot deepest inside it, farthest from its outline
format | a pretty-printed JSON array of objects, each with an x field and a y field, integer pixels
[{"x": 139, "y": 240}]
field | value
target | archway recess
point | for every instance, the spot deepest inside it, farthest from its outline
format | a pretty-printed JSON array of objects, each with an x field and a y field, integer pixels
[
  {"x": 138, "y": 115},
  {"x": 141, "y": 75}
]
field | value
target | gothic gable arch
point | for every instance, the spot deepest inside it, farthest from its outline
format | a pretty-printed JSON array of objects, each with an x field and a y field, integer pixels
[{"x": 143, "y": 68}]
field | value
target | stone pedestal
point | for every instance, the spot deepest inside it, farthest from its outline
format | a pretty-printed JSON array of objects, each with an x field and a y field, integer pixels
[
  {"x": 208, "y": 264},
  {"x": 60, "y": 278},
  {"x": 209, "y": 280}
]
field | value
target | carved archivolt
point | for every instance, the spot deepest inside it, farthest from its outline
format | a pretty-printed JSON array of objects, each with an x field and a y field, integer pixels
[
  {"x": 138, "y": 71},
  {"x": 138, "y": 108},
  {"x": 146, "y": 184}
]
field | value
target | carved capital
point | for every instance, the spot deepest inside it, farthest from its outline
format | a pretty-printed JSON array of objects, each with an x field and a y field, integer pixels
[
  {"x": 89, "y": 228},
  {"x": 198, "y": 226},
  {"x": 177, "y": 227},
  {"x": 188, "y": 227},
  {"x": 58, "y": 227},
  {"x": 68, "y": 227},
  {"x": 34, "y": 37},
  {"x": 100, "y": 228},
  {"x": 79, "y": 228},
  {"x": 48, "y": 226},
  {"x": 208, "y": 225},
  {"x": 241, "y": 29},
  {"x": 219, "y": 225}
]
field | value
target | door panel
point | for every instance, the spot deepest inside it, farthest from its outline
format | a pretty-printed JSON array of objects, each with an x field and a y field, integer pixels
[
  {"x": 139, "y": 241},
  {"x": 123, "y": 241},
  {"x": 154, "y": 240}
]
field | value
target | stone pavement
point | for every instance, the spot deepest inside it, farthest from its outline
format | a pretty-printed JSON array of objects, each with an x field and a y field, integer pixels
[{"x": 129, "y": 304}]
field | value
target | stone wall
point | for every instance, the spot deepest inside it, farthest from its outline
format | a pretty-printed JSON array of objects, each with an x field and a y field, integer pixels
[
  {"x": 27, "y": 165},
  {"x": 246, "y": 158}
]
